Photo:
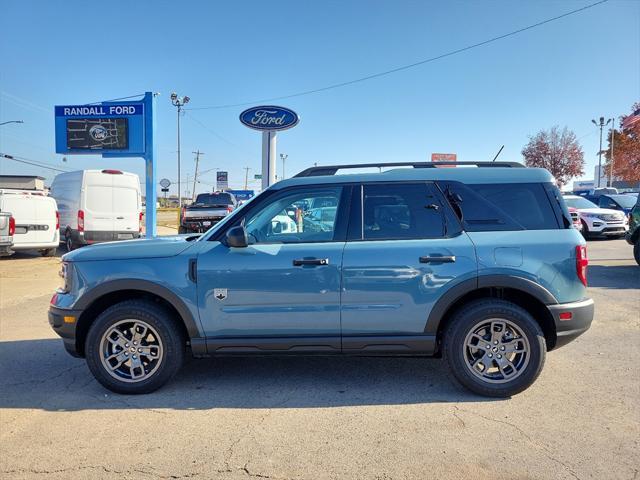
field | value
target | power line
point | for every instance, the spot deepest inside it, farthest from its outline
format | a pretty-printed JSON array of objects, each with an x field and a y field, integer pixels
[
  {"x": 32, "y": 162},
  {"x": 404, "y": 67}
]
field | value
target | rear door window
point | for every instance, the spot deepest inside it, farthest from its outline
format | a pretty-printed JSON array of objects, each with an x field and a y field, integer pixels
[{"x": 401, "y": 211}]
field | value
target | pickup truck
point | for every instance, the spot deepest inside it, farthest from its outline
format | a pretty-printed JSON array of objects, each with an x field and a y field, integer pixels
[{"x": 206, "y": 211}]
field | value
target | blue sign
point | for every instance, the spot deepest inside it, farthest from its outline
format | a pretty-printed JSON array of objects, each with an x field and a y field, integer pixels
[
  {"x": 269, "y": 117},
  {"x": 111, "y": 127},
  {"x": 242, "y": 195}
]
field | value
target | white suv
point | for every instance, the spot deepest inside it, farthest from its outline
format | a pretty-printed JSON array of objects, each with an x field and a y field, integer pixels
[{"x": 598, "y": 221}]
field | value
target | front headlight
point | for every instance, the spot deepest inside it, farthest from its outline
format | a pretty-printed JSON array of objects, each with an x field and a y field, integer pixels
[{"x": 65, "y": 274}]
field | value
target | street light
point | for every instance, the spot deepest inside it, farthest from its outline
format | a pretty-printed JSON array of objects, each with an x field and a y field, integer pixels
[
  {"x": 283, "y": 157},
  {"x": 12, "y": 121},
  {"x": 601, "y": 125},
  {"x": 179, "y": 102}
]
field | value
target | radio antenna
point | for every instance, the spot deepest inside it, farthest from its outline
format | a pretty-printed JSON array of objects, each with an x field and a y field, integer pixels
[{"x": 499, "y": 151}]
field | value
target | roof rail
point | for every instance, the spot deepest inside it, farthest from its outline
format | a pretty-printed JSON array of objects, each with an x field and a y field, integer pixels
[{"x": 332, "y": 169}]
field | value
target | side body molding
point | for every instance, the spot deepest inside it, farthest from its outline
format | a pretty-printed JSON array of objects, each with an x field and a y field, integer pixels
[{"x": 484, "y": 281}]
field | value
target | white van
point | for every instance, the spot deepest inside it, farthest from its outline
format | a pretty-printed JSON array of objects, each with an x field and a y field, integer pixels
[
  {"x": 97, "y": 206},
  {"x": 36, "y": 220}
]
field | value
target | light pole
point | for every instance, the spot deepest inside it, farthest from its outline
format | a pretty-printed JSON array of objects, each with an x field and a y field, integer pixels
[
  {"x": 179, "y": 102},
  {"x": 12, "y": 121},
  {"x": 601, "y": 125},
  {"x": 283, "y": 157}
]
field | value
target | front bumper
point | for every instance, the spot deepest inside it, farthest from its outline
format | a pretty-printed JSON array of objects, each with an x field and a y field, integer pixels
[
  {"x": 64, "y": 323},
  {"x": 568, "y": 330}
]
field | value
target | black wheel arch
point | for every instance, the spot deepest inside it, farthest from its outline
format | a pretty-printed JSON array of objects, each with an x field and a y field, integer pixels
[
  {"x": 104, "y": 295},
  {"x": 529, "y": 295}
]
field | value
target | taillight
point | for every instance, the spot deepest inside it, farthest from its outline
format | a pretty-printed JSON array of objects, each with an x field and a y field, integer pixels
[
  {"x": 229, "y": 208},
  {"x": 183, "y": 212},
  {"x": 581, "y": 263},
  {"x": 140, "y": 223},
  {"x": 80, "y": 221},
  {"x": 12, "y": 226},
  {"x": 57, "y": 220}
]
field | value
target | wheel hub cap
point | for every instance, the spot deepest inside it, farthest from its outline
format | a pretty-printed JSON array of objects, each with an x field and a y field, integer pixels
[{"x": 496, "y": 350}]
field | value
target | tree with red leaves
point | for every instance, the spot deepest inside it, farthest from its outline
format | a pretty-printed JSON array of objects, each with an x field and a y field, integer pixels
[
  {"x": 626, "y": 150},
  {"x": 556, "y": 150}
]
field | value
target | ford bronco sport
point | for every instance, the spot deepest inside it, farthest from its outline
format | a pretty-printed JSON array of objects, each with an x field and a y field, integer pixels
[{"x": 479, "y": 264}]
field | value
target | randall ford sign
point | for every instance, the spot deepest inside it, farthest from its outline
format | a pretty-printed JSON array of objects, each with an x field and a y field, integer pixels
[{"x": 269, "y": 117}]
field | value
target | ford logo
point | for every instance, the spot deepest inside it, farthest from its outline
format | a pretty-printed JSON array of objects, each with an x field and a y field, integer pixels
[
  {"x": 269, "y": 117},
  {"x": 98, "y": 133}
]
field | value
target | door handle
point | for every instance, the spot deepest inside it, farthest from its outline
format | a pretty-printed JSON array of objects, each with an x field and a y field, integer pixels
[
  {"x": 438, "y": 259},
  {"x": 310, "y": 261}
]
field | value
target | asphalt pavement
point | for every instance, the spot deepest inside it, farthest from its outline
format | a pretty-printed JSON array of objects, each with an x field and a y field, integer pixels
[{"x": 322, "y": 418}]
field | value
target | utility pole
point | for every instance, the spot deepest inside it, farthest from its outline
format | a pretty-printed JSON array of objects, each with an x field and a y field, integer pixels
[
  {"x": 283, "y": 157},
  {"x": 246, "y": 177},
  {"x": 195, "y": 175},
  {"x": 601, "y": 124},
  {"x": 179, "y": 102},
  {"x": 613, "y": 136}
]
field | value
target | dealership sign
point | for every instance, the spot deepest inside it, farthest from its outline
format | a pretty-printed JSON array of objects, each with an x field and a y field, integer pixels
[
  {"x": 222, "y": 180},
  {"x": 117, "y": 128},
  {"x": 269, "y": 118}
]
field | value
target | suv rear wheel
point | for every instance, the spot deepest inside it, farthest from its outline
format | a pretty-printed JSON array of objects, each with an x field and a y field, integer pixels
[
  {"x": 134, "y": 347},
  {"x": 494, "y": 348}
]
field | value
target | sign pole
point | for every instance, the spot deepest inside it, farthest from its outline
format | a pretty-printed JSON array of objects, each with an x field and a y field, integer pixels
[
  {"x": 268, "y": 158},
  {"x": 150, "y": 165}
]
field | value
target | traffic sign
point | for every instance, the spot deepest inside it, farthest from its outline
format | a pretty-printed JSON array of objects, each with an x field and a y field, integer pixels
[{"x": 165, "y": 183}]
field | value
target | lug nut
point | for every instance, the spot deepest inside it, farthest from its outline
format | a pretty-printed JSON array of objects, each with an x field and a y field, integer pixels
[
  {"x": 139, "y": 350},
  {"x": 491, "y": 355},
  {"x": 495, "y": 342},
  {"x": 135, "y": 356},
  {"x": 126, "y": 345},
  {"x": 499, "y": 356},
  {"x": 501, "y": 348}
]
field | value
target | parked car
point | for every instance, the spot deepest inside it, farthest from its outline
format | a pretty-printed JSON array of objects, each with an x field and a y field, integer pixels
[
  {"x": 480, "y": 265},
  {"x": 623, "y": 202},
  {"x": 7, "y": 229},
  {"x": 36, "y": 220},
  {"x": 598, "y": 221},
  {"x": 97, "y": 206},
  {"x": 633, "y": 235},
  {"x": 206, "y": 211}
]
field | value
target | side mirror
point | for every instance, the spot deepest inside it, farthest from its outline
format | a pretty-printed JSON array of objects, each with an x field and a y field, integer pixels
[{"x": 237, "y": 237}]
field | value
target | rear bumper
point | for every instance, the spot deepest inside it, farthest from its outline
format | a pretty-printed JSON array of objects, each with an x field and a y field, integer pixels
[
  {"x": 199, "y": 225},
  {"x": 580, "y": 321},
  {"x": 93, "y": 236},
  {"x": 5, "y": 249},
  {"x": 60, "y": 321}
]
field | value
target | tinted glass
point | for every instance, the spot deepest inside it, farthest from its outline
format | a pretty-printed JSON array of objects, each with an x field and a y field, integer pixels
[
  {"x": 215, "y": 199},
  {"x": 527, "y": 203},
  {"x": 401, "y": 211},
  {"x": 296, "y": 218},
  {"x": 625, "y": 201}
]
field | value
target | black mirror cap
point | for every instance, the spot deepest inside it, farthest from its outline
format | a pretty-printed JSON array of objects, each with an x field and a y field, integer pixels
[{"x": 237, "y": 237}]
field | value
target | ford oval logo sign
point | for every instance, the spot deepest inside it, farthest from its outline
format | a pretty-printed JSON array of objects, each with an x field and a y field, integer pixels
[{"x": 269, "y": 117}]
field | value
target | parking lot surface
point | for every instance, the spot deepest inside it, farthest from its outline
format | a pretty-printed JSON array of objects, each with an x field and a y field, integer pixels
[{"x": 321, "y": 418}]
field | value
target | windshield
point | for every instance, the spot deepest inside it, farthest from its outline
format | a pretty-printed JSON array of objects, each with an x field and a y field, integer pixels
[
  {"x": 625, "y": 201},
  {"x": 579, "y": 202},
  {"x": 214, "y": 199}
]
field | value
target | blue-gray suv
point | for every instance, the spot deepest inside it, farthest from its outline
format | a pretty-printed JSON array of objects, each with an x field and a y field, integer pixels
[{"x": 479, "y": 264}]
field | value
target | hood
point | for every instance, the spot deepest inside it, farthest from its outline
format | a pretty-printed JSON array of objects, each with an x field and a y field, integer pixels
[
  {"x": 130, "y": 249},
  {"x": 600, "y": 211}
]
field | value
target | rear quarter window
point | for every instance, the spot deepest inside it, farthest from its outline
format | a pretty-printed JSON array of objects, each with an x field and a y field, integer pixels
[{"x": 503, "y": 206}]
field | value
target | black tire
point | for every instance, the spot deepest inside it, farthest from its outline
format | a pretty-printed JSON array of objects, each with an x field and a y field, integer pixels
[
  {"x": 455, "y": 351},
  {"x": 68, "y": 241},
  {"x": 585, "y": 230},
  {"x": 170, "y": 336},
  {"x": 49, "y": 252},
  {"x": 636, "y": 250}
]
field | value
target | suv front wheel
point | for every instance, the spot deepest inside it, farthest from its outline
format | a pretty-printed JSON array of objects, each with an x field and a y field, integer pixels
[
  {"x": 134, "y": 347},
  {"x": 494, "y": 348}
]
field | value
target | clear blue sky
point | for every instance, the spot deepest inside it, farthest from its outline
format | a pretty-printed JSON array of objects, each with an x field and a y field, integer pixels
[{"x": 563, "y": 73}]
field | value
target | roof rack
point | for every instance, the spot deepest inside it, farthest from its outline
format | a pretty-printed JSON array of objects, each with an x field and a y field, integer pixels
[{"x": 332, "y": 169}]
